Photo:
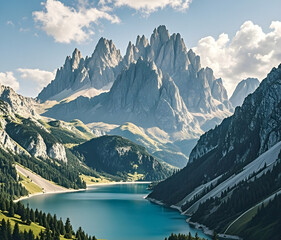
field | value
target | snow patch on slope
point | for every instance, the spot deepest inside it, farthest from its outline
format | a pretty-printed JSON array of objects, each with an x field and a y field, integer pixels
[{"x": 268, "y": 158}]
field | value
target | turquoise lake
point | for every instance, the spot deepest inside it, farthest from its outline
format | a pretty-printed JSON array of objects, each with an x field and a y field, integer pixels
[{"x": 114, "y": 212}]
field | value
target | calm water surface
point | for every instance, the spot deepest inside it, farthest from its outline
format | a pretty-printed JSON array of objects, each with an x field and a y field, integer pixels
[{"x": 114, "y": 212}]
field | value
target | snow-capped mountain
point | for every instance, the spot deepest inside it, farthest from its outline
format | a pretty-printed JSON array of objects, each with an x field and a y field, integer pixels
[
  {"x": 94, "y": 74},
  {"x": 242, "y": 90},
  {"x": 232, "y": 161}
]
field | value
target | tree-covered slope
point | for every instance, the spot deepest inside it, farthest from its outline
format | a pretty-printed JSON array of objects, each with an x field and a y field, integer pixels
[
  {"x": 119, "y": 156},
  {"x": 233, "y": 166}
]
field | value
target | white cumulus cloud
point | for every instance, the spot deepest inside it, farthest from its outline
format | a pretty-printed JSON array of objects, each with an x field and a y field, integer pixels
[
  {"x": 148, "y": 6},
  {"x": 250, "y": 53},
  {"x": 66, "y": 24},
  {"x": 8, "y": 79},
  {"x": 40, "y": 78}
]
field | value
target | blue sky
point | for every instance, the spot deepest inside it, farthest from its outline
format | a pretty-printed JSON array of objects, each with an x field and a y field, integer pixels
[{"x": 237, "y": 38}]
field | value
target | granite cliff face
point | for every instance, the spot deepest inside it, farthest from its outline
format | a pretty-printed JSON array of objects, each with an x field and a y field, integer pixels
[
  {"x": 198, "y": 87},
  {"x": 98, "y": 71},
  {"x": 24, "y": 132},
  {"x": 18, "y": 104},
  {"x": 242, "y": 90},
  {"x": 141, "y": 94}
]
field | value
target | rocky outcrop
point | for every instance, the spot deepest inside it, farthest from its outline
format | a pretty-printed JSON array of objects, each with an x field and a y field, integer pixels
[
  {"x": 98, "y": 71},
  {"x": 37, "y": 147},
  {"x": 57, "y": 151},
  {"x": 9, "y": 144},
  {"x": 242, "y": 90},
  {"x": 198, "y": 87},
  {"x": 142, "y": 95},
  {"x": 20, "y": 105},
  {"x": 103, "y": 65}
]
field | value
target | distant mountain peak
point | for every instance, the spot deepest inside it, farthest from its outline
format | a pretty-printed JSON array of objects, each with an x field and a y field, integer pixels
[
  {"x": 105, "y": 46},
  {"x": 242, "y": 90},
  {"x": 160, "y": 35},
  {"x": 141, "y": 42}
]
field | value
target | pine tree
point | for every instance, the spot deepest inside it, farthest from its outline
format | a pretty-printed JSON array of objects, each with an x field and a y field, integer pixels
[
  {"x": 9, "y": 230},
  {"x": 68, "y": 229},
  {"x": 11, "y": 211},
  {"x": 3, "y": 230},
  {"x": 30, "y": 235},
  {"x": 16, "y": 232},
  {"x": 32, "y": 215},
  {"x": 42, "y": 235}
]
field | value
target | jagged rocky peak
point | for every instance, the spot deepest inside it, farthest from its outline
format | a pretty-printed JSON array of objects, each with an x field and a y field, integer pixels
[
  {"x": 200, "y": 90},
  {"x": 97, "y": 71},
  {"x": 139, "y": 85},
  {"x": 243, "y": 89},
  {"x": 71, "y": 62},
  {"x": 195, "y": 61},
  {"x": 104, "y": 65},
  {"x": 168, "y": 52},
  {"x": 106, "y": 51},
  {"x": 143, "y": 90},
  {"x": 20, "y": 105},
  {"x": 141, "y": 42},
  {"x": 159, "y": 37},
  {"x": 76, "y": 57},
  {"x": 134, "y": 52}
]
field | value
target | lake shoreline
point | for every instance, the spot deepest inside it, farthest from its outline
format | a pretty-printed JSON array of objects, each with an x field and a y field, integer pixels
[
  {"x": 196, "y": 225},
  {"x": 112, "y": 202},
  {"x": 77, "y": 190}
]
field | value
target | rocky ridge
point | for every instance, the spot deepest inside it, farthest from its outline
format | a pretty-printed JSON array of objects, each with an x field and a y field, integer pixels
[
  {"x": 20, "y": 105},
  {"x": 97, "y": 71}
]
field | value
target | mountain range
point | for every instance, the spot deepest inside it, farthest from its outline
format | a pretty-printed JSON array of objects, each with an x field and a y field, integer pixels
[
  {"x": 45, "y": 146},
  {"x": 158, "y": 85},
  {"x": 156, "y": 95}
]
